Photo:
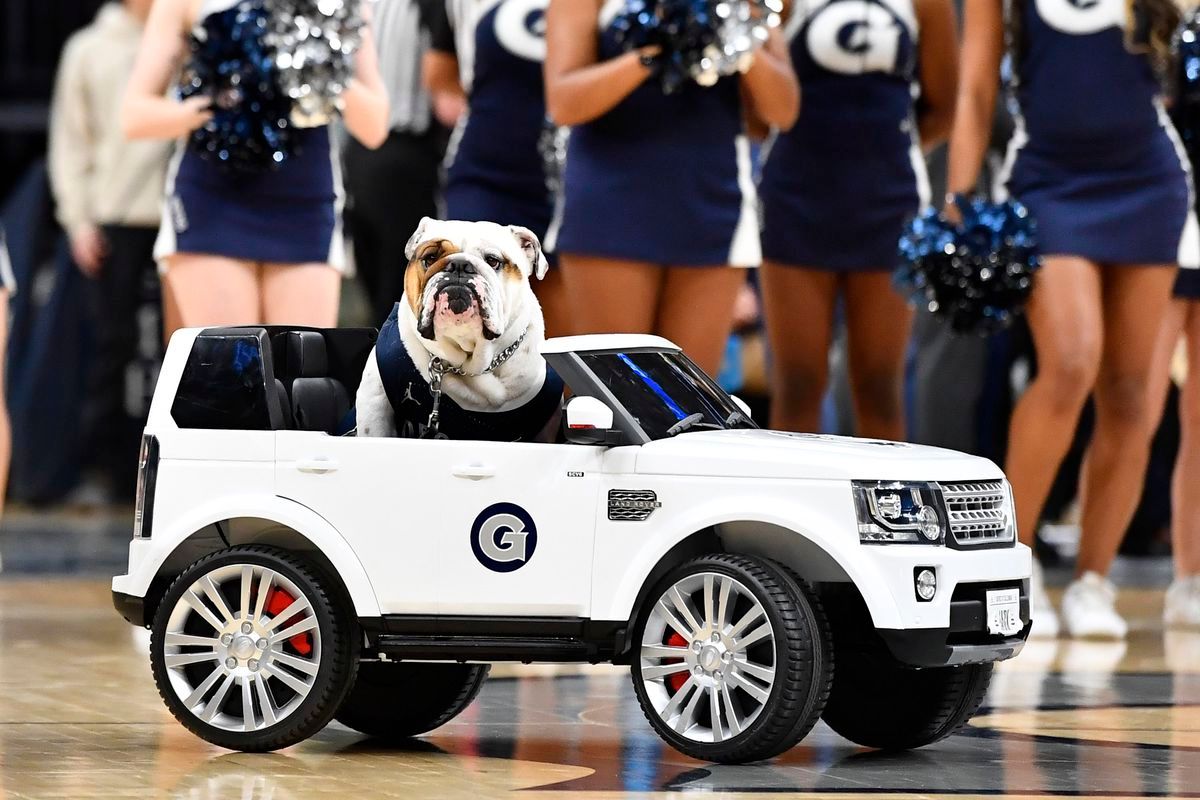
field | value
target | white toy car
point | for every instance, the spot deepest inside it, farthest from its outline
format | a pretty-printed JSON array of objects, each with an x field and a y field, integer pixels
[{"x": 755, "y": 581}]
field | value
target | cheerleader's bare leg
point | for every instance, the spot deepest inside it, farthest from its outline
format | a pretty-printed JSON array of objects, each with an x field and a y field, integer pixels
[
  {"x": 1185, "y": 518},
  {"x": 695, "y": 310},
  {"x": 1136, "y": 300},
  {"x": 798, "y": 306},
  {"x": 214, "y": 290},
  {"x": 878, "y": 322},
  {"x": 1065, "y": 318},
  {"x": 551, "y": 293},
  {"x": 611, "y": 296},
  {"x": 1182, "y": 320},
  {"x": 301, "y": 294}
]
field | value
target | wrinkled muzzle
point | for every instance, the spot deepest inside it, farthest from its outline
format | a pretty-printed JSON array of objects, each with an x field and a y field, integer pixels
[{"x": 462, "y": 291}]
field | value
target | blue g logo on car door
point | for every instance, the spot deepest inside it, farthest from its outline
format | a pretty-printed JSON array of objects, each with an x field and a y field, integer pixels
[{"x": 503, "y": 537}]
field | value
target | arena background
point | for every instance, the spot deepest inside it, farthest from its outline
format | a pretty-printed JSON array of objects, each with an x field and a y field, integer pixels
[{"x": 78, "y": 714}]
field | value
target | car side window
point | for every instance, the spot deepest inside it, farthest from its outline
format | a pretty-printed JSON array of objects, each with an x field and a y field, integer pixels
[{"x": 224, "y": 384}]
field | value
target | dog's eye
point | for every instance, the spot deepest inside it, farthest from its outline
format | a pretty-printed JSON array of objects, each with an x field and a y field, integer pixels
[
  {"x": 493, "y": 261},
  {"x": 428, "y": 261}
]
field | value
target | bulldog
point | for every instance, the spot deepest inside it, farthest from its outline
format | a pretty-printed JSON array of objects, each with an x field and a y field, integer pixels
[{"x": 464, "y": 340}]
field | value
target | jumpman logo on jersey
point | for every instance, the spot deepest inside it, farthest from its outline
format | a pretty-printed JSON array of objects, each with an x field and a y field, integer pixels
[{"x": 408, "y": 395}]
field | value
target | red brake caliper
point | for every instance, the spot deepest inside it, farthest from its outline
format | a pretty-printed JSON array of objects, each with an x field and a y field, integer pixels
[
  {"x": 676, "y": 680},
  {"x": 278, "y": 602}
]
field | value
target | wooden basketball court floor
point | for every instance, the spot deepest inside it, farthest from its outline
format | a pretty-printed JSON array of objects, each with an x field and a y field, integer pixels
[{"x": 80, "y": 718}]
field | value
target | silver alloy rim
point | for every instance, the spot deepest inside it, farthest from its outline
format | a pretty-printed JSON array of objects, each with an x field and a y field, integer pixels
[
  {"x": 729, "y": 658},
  {"x": 243, "y": 648}
]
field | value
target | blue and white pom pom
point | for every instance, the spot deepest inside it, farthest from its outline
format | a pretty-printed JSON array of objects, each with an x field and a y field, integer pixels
[
  {"x": 231, "y": 64},
  {"x": 1185, "y": 110},
  {"x": 270, "y": 66},
  {"x": 701, "y": 40},
  {"x": 976, "y": 275}
]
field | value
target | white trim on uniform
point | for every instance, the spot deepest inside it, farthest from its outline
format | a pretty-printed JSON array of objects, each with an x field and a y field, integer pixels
[
  {"x": 337, "y": 240},
  {"x": 746, "y": 248},
  {"x": 1016, "y": 142},
  {"x": 919, "y": 165},
  {"x": 165, "y": 245},
  {"x": 1188, "y": 255},
  {"x": 452, "y": 145}
]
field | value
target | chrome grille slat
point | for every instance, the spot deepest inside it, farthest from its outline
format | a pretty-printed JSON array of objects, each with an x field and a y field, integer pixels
[{"x": 977, "y": 512}]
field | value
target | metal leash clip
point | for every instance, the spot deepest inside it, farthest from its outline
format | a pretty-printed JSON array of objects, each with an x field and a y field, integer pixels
[{"x": 437, "y": 370}]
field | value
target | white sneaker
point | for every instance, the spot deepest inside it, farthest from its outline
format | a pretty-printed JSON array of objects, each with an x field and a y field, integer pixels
[
  {"x": 1182, "y": 607},
  {"x": 1045, "y": 619},
  {"x": 1089, "y": 609}
]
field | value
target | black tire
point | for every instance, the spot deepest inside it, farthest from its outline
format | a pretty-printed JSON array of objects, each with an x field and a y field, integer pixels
[
  {"x": 334, "y": 674},
  {"x": 802, "y": 662},
  {"x": 382, "y": 702},
  {"x": 878, "y": 702}
]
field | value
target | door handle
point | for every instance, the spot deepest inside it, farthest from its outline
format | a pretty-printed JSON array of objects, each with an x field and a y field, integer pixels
[
  {"x": 318, "y": 465},
  {"x": 474, "y": 472}
]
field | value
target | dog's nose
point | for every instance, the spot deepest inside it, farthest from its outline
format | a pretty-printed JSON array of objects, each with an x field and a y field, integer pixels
[{"x": 460, "y": 266}]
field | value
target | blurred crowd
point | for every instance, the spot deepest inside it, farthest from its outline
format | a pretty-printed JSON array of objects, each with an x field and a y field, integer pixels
[{"x": 753, "y": 222}]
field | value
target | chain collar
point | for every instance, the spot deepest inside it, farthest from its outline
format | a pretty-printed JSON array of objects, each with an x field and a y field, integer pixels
[{"x": 440, "y": 367}]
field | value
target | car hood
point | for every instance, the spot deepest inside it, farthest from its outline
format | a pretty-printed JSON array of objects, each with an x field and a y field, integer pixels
[{"x": 775, "y": 454}]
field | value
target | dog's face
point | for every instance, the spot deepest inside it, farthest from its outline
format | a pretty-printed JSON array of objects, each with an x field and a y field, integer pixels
[{"x": 468, "y": 281}]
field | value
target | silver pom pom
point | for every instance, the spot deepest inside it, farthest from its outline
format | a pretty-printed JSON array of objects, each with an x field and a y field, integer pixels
[
  {"x": 315, "y": 42},
  {"x": 743, "y": 27}
]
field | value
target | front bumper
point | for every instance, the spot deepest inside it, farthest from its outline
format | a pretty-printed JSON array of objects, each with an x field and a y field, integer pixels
[{"x": 966, "y": 640}]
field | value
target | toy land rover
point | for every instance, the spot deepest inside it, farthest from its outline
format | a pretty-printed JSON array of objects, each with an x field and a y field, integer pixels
[{"x": 754, "y": 581}]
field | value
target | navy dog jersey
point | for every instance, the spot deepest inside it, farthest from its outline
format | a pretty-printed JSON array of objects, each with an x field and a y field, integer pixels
[{"x": 411, "y": 400}]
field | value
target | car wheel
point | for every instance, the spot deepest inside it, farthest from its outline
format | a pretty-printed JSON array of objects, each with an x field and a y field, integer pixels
[
  {"x": 732, "y": 659},
  {"x": 251, "y": 650},
  {"x": 877, "y": 702},
  {"x": 398, "y": 700}
]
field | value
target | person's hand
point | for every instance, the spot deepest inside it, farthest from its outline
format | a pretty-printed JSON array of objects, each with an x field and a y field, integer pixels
[
  {"x": 448, "y": 107},
  {"x": 194, "y": 112},
  {"x": 950, "y": 210},
  {"x": 89, "y": 248},
  {"x": 745, "y": 308}
]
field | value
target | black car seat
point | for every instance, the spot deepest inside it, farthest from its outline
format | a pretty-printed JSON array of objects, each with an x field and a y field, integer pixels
[{"x": 319, "y": 402}]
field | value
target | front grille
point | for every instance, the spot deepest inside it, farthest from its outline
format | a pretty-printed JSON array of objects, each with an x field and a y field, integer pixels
[
  {"x": 977, "y": 512},
  {"x": 631, "y": 505}
]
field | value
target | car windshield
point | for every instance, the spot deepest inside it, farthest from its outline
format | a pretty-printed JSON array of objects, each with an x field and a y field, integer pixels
[{"x": 665, "y": 392}]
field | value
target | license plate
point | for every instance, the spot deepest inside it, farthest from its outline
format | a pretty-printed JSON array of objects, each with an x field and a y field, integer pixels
[{"x": 1004, "y": 612}]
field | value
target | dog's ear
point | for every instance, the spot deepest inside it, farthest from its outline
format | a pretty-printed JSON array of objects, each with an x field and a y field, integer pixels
[
  {"x": 533, "y": 249},
  {"x": 410, "y": 249}
]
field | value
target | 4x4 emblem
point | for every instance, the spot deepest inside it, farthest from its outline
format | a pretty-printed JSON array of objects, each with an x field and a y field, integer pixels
[{"x": 503, "y": 537}]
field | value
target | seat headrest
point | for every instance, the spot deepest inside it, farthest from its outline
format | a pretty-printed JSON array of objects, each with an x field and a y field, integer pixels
[
  {"x": 319, "y": 404},
  {"x": 306, "y": 357}
]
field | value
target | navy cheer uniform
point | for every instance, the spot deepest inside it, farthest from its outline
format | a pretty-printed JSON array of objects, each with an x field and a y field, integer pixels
[
  {"x": 289, "y": 215},
  {"x": 661, "y": 178},
  {"x": 838, "y": 188},
  {"x": 408, "y": 392},
  {"x": 1094, "y": 156},
  {"x": 494, "y": 170}
]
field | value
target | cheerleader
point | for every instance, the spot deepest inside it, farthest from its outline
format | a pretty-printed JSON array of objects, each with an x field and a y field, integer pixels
[
  {"x": 658, "y": 198},
  {"x": 1099, "y": 166},
  {"x": 837, "y": 190},
  {"x": 492, "y": 52},
  {"x": 236, "y": 247}
]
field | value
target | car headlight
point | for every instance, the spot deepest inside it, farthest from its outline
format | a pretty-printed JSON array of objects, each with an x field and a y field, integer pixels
[
  {"x": 899, "y": 511},
  {"x": 1010, "y": 511}
]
